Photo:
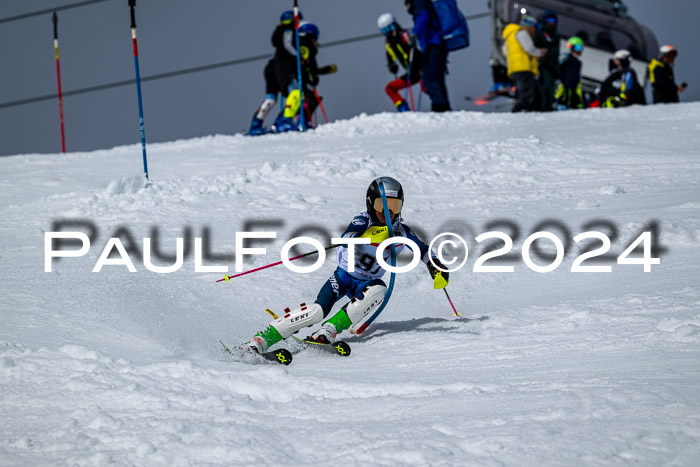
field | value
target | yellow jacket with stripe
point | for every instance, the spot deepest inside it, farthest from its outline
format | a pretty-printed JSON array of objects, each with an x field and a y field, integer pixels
[{"x": 518, "y": 59}]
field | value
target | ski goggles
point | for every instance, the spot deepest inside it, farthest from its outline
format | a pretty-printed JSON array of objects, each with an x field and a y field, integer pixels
[
  {"x": 550, "y": 20},
  {"x": 577, "y": 48},
  {"x": 387, "y": 29},
  {"x": 394, "y": 205}
]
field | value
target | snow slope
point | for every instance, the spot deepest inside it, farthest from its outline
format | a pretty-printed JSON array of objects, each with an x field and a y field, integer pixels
[{"x": 559, "y": 368}]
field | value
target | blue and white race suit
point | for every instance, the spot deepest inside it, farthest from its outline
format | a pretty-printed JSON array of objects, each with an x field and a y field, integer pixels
[{"x": 367, "y": 269}]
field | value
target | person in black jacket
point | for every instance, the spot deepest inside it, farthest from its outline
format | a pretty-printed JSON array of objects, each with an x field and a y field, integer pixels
[
  {"x": 660, "y": 74},
  {"x": 400, "y": 50},
  {"x": 621, "y": 87},
  {"x": 308, "y": 46},
  {"x": 547, "y": 38},
  {"x": 569, "y": 94},
  {"x": 272, "y": 83}
]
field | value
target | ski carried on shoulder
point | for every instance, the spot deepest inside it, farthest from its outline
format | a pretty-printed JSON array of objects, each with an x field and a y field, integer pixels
[
  {"x": 281, "y": 356},
  {"x": 341, "y": 348}
]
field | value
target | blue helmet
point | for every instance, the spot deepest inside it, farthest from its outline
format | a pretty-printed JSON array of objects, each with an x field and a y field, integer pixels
[
  {"x": 288, "y": 16},
  {"x": 308, "y": 28}
]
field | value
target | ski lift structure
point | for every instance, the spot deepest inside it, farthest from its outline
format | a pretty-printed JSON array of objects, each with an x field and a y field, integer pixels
[{"x": 604, "y": 25}]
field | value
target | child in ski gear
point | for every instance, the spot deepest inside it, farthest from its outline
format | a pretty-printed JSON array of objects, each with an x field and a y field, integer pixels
[
  {"x": 400, "y": 49},
  {"x": 660, "y": 73},
  {"x": 308, "y": 46},
  {"x": 427, "y": 30},
  {"x": 548, "y": 39},
  {"x": 621, "y": 87},
  {"x": 272, "y": 86},
  {"x": 569, "y": 93},
  {"x": 522, "y": 55},
  {"x": 364, "y": 285}
]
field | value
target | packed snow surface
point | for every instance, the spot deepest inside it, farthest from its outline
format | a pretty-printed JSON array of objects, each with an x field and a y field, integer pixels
[{"x": 556, "y": 368}]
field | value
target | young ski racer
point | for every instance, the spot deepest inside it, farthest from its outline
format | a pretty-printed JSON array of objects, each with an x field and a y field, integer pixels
[
  {"x": 364, "y": 286},
  {"x": 400, "y": 49},
  {"x": 308, "y": 40},
  {"x": 272, "y": 86},
  {"x": 569, "y": 93}
]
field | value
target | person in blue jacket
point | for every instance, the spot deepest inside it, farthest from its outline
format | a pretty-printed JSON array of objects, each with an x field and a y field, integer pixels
[{"x": 427, "y": 30}]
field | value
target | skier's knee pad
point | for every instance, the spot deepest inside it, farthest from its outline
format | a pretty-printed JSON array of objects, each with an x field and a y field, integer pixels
[
  {"x": 292, "y": 104},
  {"x": 358, "y": 309},
  {"x": 298, "y": 319}
]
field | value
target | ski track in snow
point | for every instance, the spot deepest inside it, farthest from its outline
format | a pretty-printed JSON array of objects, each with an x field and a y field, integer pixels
[{"x": 557, "y": 368}]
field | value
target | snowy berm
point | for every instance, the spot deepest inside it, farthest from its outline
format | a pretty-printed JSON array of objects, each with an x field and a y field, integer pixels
[{"x": 556, "y": 368}]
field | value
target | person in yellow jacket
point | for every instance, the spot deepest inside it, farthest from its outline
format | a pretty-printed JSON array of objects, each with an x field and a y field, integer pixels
[{"x": 521, "y": 56}]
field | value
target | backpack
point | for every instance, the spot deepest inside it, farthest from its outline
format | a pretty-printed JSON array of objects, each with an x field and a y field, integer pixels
[{"x": 455, "y": 31}]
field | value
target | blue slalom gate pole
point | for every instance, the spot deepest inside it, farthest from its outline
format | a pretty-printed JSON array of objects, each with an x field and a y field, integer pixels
[
  {"x": 369, "y": 321},
  {"x": 132, "y": 4},
  {"x": 296, "y": 34}
]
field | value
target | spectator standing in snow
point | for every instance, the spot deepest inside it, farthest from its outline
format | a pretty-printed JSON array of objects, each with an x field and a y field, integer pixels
[
  {"x": 427, "y": 29},
  {"x": 660, "y": 73},
  {"x": 521, "y": 55},
  {"x": 272, "y": 87},
  {"x": 621, "y": 87},
  {"x": 547, "y": 38},
  {"x": 569, "y": 94},
  {"x": 400, "y": 50}
]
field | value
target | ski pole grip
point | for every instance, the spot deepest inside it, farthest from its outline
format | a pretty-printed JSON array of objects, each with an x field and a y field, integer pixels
[{"x": 55, "y": 25}]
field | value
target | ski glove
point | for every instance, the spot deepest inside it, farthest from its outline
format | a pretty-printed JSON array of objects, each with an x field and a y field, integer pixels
[
  {"x": 376, "y": 234},
  {"x": 332, "y": 68},
  {"x": 393, "y": 68},
  {"x": 440, "y": 278}
]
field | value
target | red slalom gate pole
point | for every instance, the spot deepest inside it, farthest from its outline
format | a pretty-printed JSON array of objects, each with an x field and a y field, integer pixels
[{"x": 58, "y": 77}]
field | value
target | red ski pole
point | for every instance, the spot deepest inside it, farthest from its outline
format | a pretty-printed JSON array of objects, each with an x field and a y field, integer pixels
[
  {"x": 58, "y": 77},
  {"x": 227, "y": 278},
  {"x": 457, "y": 313},
  {"x": 320, "y": 104}
]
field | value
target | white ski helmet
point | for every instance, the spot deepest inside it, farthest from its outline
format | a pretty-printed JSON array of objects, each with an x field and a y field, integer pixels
[
  {"x": 622, "y": 54},
  {"x": 385, "y": 20}
]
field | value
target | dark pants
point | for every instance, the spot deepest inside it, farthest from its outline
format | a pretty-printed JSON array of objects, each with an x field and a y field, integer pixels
[
  {"x": 434, "y": 70},
  {"x": 340, "y": 285},
  {"x": 271, "y": 86},
  {"x": 528, "y": 93},
  {"x": 547, "y": 85}
]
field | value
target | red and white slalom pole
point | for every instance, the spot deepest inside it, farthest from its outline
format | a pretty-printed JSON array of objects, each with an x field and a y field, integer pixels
[{"x": 58, "y": 77}]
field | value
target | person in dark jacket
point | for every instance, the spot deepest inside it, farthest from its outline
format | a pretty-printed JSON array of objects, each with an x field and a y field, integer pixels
[
  {"x": 427, "y": 29},
  {"x": 660, "y": 73},
  {"x": 272, "y": 85},
  {"x": 621, "y": 87},
  {"x": 569, "y": 94},
  {"x": 400, "y": 50},
  {"x": 547, "y": 38}
]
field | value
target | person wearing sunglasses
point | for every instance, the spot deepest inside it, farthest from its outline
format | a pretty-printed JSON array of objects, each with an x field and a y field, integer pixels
[
  {"x": 357, "y": 277},
  {"x": 569, "y": 94},
  {"x": 401, "y": 49}
]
